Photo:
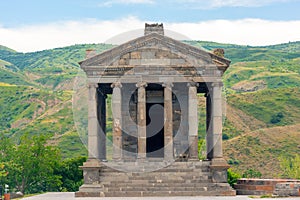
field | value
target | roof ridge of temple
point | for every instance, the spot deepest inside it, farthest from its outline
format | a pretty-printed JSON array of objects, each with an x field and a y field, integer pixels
[{"x": 154, "y": 28}]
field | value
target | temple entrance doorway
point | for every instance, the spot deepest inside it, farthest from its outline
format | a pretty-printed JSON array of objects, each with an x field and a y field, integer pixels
[{"x": 155, "y": 130}]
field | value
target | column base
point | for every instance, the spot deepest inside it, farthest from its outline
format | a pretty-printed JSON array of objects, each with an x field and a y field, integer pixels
[
  {"x": 87, "y": 190},
  {"x": 219, "y": 163},
  {"x": 91, "y": 172},
  {"x": 193, "y": 156},
  {"x": 219, "y": 168},
  {"x": 91, "y": 162},
  {"x": 141, "y": 155}
]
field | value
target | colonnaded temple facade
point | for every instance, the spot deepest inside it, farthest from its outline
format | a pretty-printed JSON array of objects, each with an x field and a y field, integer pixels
[{"x": 154, "y": 81}]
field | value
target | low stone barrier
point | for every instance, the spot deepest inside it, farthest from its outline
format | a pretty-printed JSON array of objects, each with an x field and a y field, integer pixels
[
  {"x": 246, "y": 186},
  {"x": 287, "y": 189}
]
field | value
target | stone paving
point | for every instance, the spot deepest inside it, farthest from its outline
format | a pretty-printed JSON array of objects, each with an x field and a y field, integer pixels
[{"x": 71, "y": 196}]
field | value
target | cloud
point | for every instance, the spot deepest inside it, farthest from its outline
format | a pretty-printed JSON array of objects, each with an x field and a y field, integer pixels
[
  {"x": 256, "y": 32},
  {"x": 59, "y": 34},
  {"x": 204, "y": 4},
  {"x": 64, "y": 33},
  {"x": 126, "y": 2}
]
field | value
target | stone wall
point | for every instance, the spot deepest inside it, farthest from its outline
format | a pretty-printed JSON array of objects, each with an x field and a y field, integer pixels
[
  {"x": 278, "y": 187},
  {"x": 287, "y": 189}
]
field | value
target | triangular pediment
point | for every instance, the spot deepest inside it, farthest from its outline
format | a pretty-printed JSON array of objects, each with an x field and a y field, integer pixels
[{"x": 156, "y": 49}]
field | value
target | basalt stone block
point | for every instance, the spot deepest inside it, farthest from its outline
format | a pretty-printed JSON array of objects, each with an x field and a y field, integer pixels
[
  {"x": 219, "y": 176},
  {"x": 287, "y": 189}
]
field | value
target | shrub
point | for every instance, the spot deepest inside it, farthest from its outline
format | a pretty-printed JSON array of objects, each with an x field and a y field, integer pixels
[
  {"x": 225, "y": 136},
  {"x": 277, "y": 118},
  {"x": 232, "y": 177}
]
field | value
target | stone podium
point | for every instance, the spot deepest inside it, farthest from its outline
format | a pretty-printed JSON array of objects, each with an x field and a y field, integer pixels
[{"x": 154, "y": 81}]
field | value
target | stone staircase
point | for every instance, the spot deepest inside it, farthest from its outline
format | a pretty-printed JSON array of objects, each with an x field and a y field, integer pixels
[{"x": 178, "y": 179}]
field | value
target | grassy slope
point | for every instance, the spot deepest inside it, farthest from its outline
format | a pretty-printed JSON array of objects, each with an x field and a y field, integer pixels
[
  {"x": 51, "y": 68},
  {"x": 261, "y": 149},
  {"x": 261, "y": 85}
]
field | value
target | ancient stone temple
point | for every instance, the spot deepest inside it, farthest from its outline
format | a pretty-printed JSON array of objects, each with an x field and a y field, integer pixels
[{"x": 154, "y": 82}]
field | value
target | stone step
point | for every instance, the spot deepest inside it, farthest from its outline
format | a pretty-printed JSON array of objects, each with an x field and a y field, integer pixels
[
  {"x": 161, "y": 180},
  {"x": 171, "y": 188},
  {"x": 157, "y": 173},
  {"x": 155, "y": 178},
  {"x": 178, "y": 179},
  {"x": 167, "y": 193},
  {"x": 162, "y": 184},
  {"x": 167, "y": 170},
  {"x": 168, "y": 188},
  {"x": 192, "y": 173},
  {"x": 159, "y": 166},
  {"x": 124, "y": 185}
]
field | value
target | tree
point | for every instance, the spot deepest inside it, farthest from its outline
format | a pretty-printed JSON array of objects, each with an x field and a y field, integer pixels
[
  {"x": 34, "y": 166},
  {"x": 277, "y": 118},
  {"x": 232, "y": 177},
  {"x": 71, "y": 174},
  {"x": 31, "y": 168},
  {"x": 3, "y": 173},
  {"x": 6, "y": 148}
]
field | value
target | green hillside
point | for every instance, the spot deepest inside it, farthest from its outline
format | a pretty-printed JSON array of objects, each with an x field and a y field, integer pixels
[
  {"x": 50, "y": 68},
  {"x": 239, "y": 53},
  {"x": 261, "y": 89}
]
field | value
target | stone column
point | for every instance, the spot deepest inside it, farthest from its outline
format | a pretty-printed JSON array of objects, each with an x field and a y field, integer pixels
[
  {"x": 168, "y": 119},
  {"x": 141, "y": 120},
  {"x": 193, "y": 120},
  {"x": 102, "y": 122},
  {"x": 216, "y": 118},
  {"x": 117, "y": 120},
  {"x": 93, "y": 124},
  {"x": 91, "y": 168},
  {"x": 218, "y": 165}
]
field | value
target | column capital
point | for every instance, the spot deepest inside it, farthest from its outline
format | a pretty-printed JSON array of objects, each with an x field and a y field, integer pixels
[
  {"x": 92, "y": 85},
  {"x": 193, "y": 84},
  {"x": 141, "y": 84},
  {"x": 116, "y": 85},
  {"x": 217, "y": 84},
  {"x": 167, "y": 85}
]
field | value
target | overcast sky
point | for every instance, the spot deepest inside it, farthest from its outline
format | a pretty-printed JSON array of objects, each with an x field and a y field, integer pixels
[{"x": 32, "y": 25}]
